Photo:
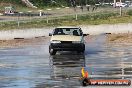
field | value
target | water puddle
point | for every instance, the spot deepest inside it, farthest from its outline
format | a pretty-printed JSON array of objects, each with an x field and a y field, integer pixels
[{"x": 32, "y": 67}]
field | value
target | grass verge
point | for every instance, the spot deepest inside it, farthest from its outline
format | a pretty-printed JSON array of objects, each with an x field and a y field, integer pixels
[{"x": 94, "y": 19}]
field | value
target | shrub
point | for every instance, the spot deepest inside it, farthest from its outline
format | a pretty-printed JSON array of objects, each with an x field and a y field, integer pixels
[
  {"x": 129, "y": 13},
  {"x": 103, "y": 16},
  {"x": 84, "y": 17}
]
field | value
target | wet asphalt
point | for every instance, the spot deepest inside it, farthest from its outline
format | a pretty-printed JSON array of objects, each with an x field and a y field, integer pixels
[{"x": 31, "y": 66}]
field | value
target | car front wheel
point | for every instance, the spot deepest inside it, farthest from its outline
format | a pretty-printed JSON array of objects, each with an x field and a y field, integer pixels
[
  {"x": 52, "y": 51},
  {"x": 82, "y": 50}
]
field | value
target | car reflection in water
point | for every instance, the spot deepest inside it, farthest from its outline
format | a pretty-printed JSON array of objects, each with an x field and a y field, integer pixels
[
  {"x": 66, "y": 66},
  {"x": 65, "y": 71}
]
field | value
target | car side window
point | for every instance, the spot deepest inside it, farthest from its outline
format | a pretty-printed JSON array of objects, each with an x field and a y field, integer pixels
[
  {"x": 81, "y": 33},
  {"x": 55, "y": 32}
]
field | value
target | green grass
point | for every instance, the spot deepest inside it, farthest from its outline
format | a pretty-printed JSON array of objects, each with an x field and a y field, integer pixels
[{"x": 95, "y": 19}]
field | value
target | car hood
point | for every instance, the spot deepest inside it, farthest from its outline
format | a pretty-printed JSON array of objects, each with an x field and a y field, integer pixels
[{"x": 66, "y": 38}]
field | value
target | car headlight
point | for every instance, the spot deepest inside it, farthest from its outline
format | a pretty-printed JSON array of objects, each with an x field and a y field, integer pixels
[
  {"x": 76, "y": 42},
  {"x": 55, "y": 41}
]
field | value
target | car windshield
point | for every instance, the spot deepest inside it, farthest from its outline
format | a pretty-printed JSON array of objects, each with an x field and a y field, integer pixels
[{"x": 67, "y": 31}]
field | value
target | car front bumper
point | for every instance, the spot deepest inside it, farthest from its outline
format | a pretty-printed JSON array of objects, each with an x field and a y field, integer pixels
[{"x": 67, "y": 47}]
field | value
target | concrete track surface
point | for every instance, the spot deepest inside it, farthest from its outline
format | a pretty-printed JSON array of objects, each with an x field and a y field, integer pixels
[{"x": 31, "y": 66}]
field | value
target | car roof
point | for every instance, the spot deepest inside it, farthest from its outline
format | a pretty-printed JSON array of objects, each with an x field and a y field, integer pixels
[{"x": 67, "y": 27}]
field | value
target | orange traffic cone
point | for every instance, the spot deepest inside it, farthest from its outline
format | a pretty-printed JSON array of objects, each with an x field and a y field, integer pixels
[
  {"x": 84, "y": 73},
  {"x": 85, "y": 79}
]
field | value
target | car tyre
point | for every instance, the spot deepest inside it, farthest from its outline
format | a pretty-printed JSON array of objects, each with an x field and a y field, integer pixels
[
  {"x": 80, "y": 52},
  {"x": 52, "y": 51}
]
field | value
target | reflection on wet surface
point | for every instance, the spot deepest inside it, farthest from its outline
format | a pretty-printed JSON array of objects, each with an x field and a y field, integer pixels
[
  {"x": 32, "y": 67},
  {"x": 64, "y": 70},
  {"x": 108, "y": 61},
  {"x": 67, "y": 66}
]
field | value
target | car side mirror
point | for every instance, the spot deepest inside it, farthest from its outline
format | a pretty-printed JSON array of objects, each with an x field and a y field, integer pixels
[
  {"x": 85, "y": 34},
  {"x": 50, "y": 34}
]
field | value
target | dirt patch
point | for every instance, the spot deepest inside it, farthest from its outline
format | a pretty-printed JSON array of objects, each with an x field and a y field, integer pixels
[
  {"x": 22, "y": 42},
  {"x": 120, "y": 38}
]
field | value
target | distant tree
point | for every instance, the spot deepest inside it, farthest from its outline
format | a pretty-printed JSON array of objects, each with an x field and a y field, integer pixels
[{"x": 44, "y": 3}]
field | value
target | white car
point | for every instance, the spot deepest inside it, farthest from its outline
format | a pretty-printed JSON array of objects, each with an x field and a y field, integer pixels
[
  {"x": 119, "y": 4},
  {"x": 67, "y": 39}
]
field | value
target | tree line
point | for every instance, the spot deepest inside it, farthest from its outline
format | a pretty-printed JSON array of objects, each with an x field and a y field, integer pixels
[
  {"x": 69, "y": 2},
  {"x": 46, "y": 3}
]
